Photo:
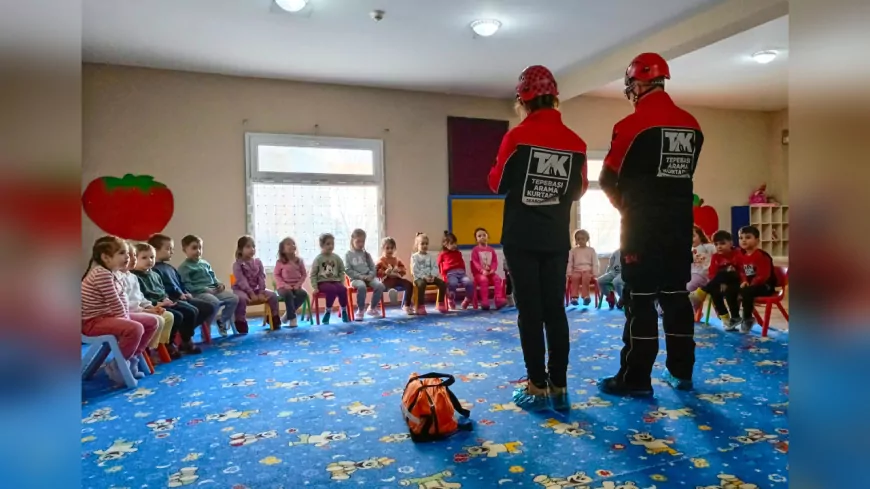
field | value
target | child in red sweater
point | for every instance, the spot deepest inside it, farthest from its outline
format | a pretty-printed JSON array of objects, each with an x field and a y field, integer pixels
[
  {"x": 452, "y": 268},
  {"x": 724, "y": 282},
  {"x": 756, "y": 274}
]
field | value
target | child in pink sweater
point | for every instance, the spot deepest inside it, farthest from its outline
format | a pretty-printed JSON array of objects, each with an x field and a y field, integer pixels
[
  {"x": 484, "y": 263},
  {"x": 582, "y": 266},
  {"x": 290, "y": 274}
]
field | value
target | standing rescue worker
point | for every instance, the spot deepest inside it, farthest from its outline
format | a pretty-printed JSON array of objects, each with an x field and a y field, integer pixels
[
  {"x": 541, "y": 170},
  {"x": 647, "y": 175}
]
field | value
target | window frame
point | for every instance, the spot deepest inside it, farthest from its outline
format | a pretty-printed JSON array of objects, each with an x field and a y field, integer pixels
[
  {"x": 593, "y": 185},
  {"x": 253, "y": 140}
]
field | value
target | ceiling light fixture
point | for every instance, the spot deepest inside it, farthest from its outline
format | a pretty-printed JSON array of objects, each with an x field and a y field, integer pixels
[
  {"x": 485, "y": 27},
  {"x": 291, "y": 5},
  {"x": 764, "y": 57}
]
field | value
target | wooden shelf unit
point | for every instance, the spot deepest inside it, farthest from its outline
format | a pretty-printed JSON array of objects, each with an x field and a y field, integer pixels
[{"x": 772, "y": 223}]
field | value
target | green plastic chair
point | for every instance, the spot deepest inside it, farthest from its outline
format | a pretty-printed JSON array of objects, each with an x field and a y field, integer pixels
[{"x": 306, "y": 306}]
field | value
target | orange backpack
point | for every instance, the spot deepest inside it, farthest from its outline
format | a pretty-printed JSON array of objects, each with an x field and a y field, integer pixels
[{"x": 431, "y": 410}]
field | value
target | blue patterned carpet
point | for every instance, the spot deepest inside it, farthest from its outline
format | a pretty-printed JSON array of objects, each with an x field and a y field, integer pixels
[{"x": 318, "y": 407}]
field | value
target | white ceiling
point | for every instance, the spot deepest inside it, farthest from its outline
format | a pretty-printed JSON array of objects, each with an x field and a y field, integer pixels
[
  {"x": 724, "y": 75},
  {"x": 420, "y": 45}
]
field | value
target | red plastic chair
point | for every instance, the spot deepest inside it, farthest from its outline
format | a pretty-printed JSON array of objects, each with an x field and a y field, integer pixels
[
  {"x": 593, "y": 286},
  {"x": 773, "y": 300},
  {"x": 351, "y": 291}
]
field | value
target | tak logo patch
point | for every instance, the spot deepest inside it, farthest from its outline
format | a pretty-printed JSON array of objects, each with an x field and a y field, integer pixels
[
  {"x": 547, "y": 176},
  {"x": 678, "y": 153}
]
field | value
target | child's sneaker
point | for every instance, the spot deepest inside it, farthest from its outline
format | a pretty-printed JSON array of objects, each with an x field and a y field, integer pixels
[
  {"x": 442, "y": 308},
  {"x": 499, "y": 303},
  {"x": 531, "y": 397},
  {"x": 325, "y": 317},
  {"x": 292, "y": 323},
  {"x": 746, "y": 325},
  {"x": 559, "y": 397},
  {"x": 728, "y": 323},
  {"x": 408, "y": 310},
  {"x": 611, "y": 300},
  {"x": 222, "y": 328},
  {"x": 575, "y": 301},
  {"x": 189, "y": 348},
  {"x": 345, "y": 316},
  {"x": 114, "y": 373},
  {"x": 373, "y": 312},
  {"x": 451, "y": 303},
  {"x": 242, "y": 326},
  {"x": 134, "y": 368},
  {"x": 587, "y": 300},
  {"x": 173, "y": 351},
  {"x": 620, "y": 304},
  {"x": 465, "y": 303},
  {"x": 421, "y": 311},
  {"x": 359, "y": 316}
]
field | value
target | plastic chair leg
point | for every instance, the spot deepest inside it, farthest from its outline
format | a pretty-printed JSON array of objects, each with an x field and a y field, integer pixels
[
  {"x": 146, "y": 358},
  {"x": 122, "y": 364},
  {"x": 766, "y": 324},
  {"x": 709, "y": 307},
  {"x": 782, "y": 310},
  {"x": 163, "y": 353},
  {"x": 206, "y": 333},
  {"x": 317, "y": 309}
]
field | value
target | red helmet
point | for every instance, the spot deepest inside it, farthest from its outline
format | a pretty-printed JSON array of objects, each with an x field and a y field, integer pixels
[
  {"x": 535, "y": 81},
  {"x": 647, "y": 67}
]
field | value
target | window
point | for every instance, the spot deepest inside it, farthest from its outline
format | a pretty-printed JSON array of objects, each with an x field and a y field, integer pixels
[
  {"x": 303, "y": 186},
  {"x": 595, "y": 212}
]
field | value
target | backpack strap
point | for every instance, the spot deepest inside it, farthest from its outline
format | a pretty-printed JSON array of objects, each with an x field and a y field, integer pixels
[{"x": 449, "y": 379}]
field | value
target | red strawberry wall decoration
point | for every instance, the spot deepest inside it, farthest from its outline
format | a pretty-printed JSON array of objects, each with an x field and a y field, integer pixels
[
  {"x": 705, "y": 216},
  {"x": 131, "y": 207}
]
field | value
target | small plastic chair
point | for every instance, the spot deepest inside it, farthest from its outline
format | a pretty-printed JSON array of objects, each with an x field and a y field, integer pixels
[
  {"x": 98, "y": 351},
  {"x": 429, "y": 287},
  {"x": 593, "y": 286},
  {"x": 351, "y": 291},
  {"x": 267, "y": 319}
]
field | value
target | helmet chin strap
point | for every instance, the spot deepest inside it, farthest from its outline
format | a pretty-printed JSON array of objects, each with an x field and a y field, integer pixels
[{"x": 634, "y": 97}]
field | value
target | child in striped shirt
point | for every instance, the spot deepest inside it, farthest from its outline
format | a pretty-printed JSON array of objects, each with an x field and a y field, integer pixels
[{"x": 105, "y": 310}]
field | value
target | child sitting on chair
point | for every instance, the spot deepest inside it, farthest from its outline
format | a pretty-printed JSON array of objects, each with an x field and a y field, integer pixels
[
  {"x": 184, "y": 315},
  {"x": 756, "y": 274},
  {"x": 250, "y": 284},
  {"x": 137, "y": 302},
  {"x": 723, "y": 286},
  {"x": 484, "y": 264},
  {"x": 361, "y": 270},
  {"x": 327, "y": 277},
  {"x": 452, "y": 268},
  {"x": 104, "y": 306},
  {"x": 164, "y": 249},
  {"x": 290, "y": 274},
  {"x": 392, "y": 273},
  {"x": 425, "y": 270},
  {"x": 612, "y": 281},
  {"x": 198, "y": 277},
  {"x": 582, "y": 267}
]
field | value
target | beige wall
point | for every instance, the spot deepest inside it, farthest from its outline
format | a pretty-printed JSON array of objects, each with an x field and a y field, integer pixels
[
  {"x": 187, "y": 131},
  {"x": 777, "y": 185}
]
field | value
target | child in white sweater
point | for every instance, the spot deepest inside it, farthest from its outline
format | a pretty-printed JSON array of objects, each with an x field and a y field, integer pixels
[
  {"x": 137, "y": 302},
  {"x": 582, "y": 267},
  {"x": 424, "y": 267}
]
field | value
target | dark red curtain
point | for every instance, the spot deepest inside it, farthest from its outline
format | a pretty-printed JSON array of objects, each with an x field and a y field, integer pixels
[{"x": 472, "y": 145}]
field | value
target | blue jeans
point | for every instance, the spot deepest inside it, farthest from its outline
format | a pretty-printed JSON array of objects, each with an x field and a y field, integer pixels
[
  {"x": 457, "y": 278},
  {"x": 610, "y": 281}
]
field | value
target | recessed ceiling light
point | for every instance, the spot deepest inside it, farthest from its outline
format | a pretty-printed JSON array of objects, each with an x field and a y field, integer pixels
[
  {"x": 291, "y": 5},
  {"x": 485, "y": 27},
  {"x": 764, "y": 57}
]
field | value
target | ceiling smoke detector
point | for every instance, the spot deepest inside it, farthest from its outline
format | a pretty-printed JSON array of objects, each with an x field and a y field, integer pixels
[
  {"x": 764, "y": 57},
  {"x": 485, "y": 27},
  {"x": 377, "y": 15},
  {"x": 291, "y": 5}
]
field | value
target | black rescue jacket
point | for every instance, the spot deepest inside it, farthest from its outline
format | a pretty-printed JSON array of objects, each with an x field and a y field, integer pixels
[
  {"x": 647, "y": 175},
  {"x": 541, "y": 170}
]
